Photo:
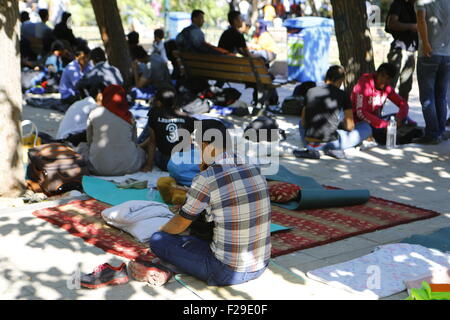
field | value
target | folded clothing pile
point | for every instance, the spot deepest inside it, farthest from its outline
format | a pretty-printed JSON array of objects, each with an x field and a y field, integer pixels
[{"x": 139, "y": 218}]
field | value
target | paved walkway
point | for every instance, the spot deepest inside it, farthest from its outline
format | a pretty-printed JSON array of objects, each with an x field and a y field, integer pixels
[{"x": 37, "y": 259}]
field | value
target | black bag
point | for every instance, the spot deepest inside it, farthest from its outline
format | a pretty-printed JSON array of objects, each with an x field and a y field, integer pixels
[
  {"x": 202, "y": 229},
  {"x": 226, "y": 97},
  {"x": 255, "y": 131},
  {"x": 302, "y": 89},
  {"x": 405, "y": 135},
  {"x": 292, "y": 105}
]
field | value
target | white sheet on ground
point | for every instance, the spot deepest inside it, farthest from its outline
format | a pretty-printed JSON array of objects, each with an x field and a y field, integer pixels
[
  {"x": 139, "y": 218},
  {"x": 383, "y": 272}
]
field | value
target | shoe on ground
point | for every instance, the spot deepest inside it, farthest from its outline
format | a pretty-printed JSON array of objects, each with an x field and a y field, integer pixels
[
  {"x": 427, "y": 140},
  {"x": 367, "y": 144},
  {"x": 154, "y": 274},
  {"x": 105, "y": 275},
  {"x": 307, "y": 154},
  {"x": 167, "y": 265},
  {"x": 257, "y": 112},
  {"x": 337, "y": 154},
  {"x": 410, "y": 122}
]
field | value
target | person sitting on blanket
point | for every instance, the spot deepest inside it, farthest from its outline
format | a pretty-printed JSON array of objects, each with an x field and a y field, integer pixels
[
  {"x": 321, "y": 128},
  {"x": 150, "y": 70},
  {"x": 72, "y": 127},
  {"x": 54, "y": 62},
  {"x": 102, "y": 73},
  {"x": 369, "y": 97},
  {"x": 112, "y": 148},
  {"x": 164, "y": 127},
  {"x": 232, "y": 196},
  {"x": 71, "y": 74}
]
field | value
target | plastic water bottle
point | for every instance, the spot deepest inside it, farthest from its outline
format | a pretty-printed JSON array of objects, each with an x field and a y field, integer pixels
[
  {"x": 391, "y": 134},
  {"x": 151, "y": 194}
]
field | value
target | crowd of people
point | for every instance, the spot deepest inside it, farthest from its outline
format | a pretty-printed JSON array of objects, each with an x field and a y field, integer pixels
[
  {"x": 232, "y": 196},
  {"x": 413, "y": 34}
]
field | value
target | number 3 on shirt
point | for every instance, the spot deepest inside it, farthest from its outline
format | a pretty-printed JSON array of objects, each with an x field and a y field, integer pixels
[{"x": 172, "y": 128}]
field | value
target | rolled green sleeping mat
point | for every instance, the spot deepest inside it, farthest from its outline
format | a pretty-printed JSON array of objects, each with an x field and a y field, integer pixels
[
  {"x": 320, "y": 199},
  {"x": 287, "y": 176},
  {"x": 315, "y": 196},
  {"x": 314, "y": 199}
]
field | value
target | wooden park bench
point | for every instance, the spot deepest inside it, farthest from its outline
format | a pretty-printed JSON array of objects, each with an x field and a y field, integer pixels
[{"x": 250, "y": 71}]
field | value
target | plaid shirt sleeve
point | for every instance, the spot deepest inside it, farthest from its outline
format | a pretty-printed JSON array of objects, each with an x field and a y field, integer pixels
[{"x": 197, "y": 198}]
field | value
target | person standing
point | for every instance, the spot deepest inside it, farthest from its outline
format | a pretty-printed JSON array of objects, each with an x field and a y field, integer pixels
[
  {"x": 158, "y": 44},
  {"x": 244, "y": 9},
  {"x": 402, "y": 24},
  {"x": 43, "y": 31},
  {"x": 62, "y": 30},
  {"x": 433, "y": 67}
]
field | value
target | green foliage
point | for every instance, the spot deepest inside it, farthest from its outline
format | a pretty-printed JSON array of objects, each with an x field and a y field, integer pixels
[
  {"x": 141, "y": 10},
  {"x": 82, "y": 13},
  {"x": 215, "y": 10}
]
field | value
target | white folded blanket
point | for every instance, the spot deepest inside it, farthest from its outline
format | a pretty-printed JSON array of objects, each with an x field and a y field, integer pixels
[{"x": 139, "y": 218}]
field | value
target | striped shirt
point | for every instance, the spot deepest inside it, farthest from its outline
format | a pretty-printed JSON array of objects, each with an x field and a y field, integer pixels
[{"x": 236, "y": 198}]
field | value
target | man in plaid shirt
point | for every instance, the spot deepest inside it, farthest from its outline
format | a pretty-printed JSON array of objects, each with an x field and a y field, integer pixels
[{"x": 235, "y": 197}]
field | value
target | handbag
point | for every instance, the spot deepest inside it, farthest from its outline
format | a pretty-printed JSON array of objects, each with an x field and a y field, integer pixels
[
  {"x": 57, "y": 168},
  {"x": 29, "y": 140}
]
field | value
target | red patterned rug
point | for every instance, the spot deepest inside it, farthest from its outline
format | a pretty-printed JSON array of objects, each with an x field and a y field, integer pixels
[{"x": 310, "y": 227}]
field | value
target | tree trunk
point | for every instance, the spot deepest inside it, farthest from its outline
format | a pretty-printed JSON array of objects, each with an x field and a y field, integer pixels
[
  {"x": 353, "y": 37},
  {"x": 254, "y": 13},
  {"x": 312, "y": 4},
  {"x": 11, "y": 165},
  {"x": 111, "y": 30}
]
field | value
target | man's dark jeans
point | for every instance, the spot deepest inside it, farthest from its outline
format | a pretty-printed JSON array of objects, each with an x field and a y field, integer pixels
[
  {"x": 194, "y": 257},
  {"x": 433, "y": 75}
]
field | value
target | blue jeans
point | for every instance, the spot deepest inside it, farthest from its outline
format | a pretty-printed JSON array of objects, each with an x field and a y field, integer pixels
[
  {"x": 347, "y": 139},
  {"x": 194, "y": 257},
  {"x": 433, "y": 76}
]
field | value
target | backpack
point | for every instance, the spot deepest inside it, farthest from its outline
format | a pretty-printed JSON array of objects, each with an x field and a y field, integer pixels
[
  {"x": 253, "y": 131},
  {"x": 226, "y": 97},
  {"x": 292, "y": 105},
  {"x": 183, "y": 39},
  {"x": 302, "y": 89},
  {"x": 56, "y": 167}
]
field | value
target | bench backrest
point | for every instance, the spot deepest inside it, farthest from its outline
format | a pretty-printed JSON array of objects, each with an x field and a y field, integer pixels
[{"x": 226, "y": 68}]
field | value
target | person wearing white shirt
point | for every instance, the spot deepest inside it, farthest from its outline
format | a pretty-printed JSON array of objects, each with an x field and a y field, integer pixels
[
  {"x": 75, "y": 118},
  {"x": 244, "y": 8}
]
